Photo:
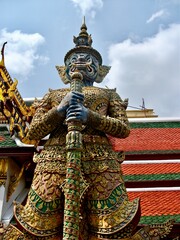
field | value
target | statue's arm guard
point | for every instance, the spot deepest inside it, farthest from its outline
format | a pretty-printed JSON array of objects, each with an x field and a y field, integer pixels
[
  {"x": 116, "y": 122},
  {"x": 45, "y": 120}
]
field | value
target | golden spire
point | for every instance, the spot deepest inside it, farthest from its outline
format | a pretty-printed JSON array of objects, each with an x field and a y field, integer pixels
[
  {"x": 83, "y": 32},
  {"x": 84, "y": 39},
  {"x": 2, "y": 54},
  {"x": 83, "y": 43}
]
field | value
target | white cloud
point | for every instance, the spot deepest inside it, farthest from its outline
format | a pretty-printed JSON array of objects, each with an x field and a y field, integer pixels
[
  {"x": 21, "y": 51},
  {"x": 88, "y": 7},
  {"x": 159, "y": 14},
  {"x": 150, "y": 70}
]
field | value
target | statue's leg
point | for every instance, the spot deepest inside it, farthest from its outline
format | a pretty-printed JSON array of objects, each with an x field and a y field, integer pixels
[
  {"x": 42, "y": 216},
  {"x": 110, "y": 214}
]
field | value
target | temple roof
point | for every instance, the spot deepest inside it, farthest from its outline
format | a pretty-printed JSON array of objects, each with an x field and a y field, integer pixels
[
  {"x": 151, "y": 168},
  {"x": 157, "y": 184},
  {"x": 152, "y": 137},
  {"x": 158, "y": 206}
]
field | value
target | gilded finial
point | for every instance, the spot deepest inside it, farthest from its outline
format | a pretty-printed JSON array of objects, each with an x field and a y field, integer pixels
[
  {"x": 84, "y": 39},
  {"x": 83, "y": 43},
  {"x": 2, "y": 54},
  {"x": 83, "y": 28}
]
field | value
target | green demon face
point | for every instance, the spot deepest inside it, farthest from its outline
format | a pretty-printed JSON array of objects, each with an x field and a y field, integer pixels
[{"x": 84, "y": 63}]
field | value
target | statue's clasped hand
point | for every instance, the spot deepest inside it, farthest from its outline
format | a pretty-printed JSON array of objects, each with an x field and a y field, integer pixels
[
  {"x": 71, "y": 107},
  {"x": 77, "y": 112}
]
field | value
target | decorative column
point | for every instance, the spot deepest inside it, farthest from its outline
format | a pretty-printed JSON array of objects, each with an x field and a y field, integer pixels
[{"x": 3, "y": 178}]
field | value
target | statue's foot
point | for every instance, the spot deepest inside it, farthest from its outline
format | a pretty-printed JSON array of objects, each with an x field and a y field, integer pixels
[
  {"x": 11, "y": 232},
  {"x": 154, "y": 232}
]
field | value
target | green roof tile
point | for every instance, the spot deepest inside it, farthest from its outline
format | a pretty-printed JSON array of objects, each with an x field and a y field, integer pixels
[
  {"x": 155, "y": 125},
  {"x": 5, "y": 138},
  {"x": 151, "y": 177},
  {"x": 159, "y": 219},
  {"x": 139, "y": 152}
]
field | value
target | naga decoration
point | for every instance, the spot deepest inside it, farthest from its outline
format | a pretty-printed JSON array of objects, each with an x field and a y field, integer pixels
[
  {"x": 12, "y": 104},
  {"x": 77, "y": 192}
]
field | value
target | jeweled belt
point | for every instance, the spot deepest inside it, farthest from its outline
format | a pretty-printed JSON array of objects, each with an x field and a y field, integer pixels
[{"x": 86, "y": 139}]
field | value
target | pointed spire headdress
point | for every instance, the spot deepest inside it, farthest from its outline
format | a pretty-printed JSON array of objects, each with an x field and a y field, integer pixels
[{"x": 83, "y": 44}]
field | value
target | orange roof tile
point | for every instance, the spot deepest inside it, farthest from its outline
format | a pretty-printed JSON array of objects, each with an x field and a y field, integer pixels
[
  {"x": 148, "y": 139},
  {"x": 158, "y": 202},
  {"x": 156, "y": 168}
]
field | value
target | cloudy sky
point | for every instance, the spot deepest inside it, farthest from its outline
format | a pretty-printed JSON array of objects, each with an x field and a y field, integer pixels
[{"x": 139, "y": 39}]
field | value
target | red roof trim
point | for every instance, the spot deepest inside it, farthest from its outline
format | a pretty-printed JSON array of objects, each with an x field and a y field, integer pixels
[
  {"x": 156, "y": 168},
  {"x": 149, "y": 139},
  {"x": 158, "y": 203}
]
